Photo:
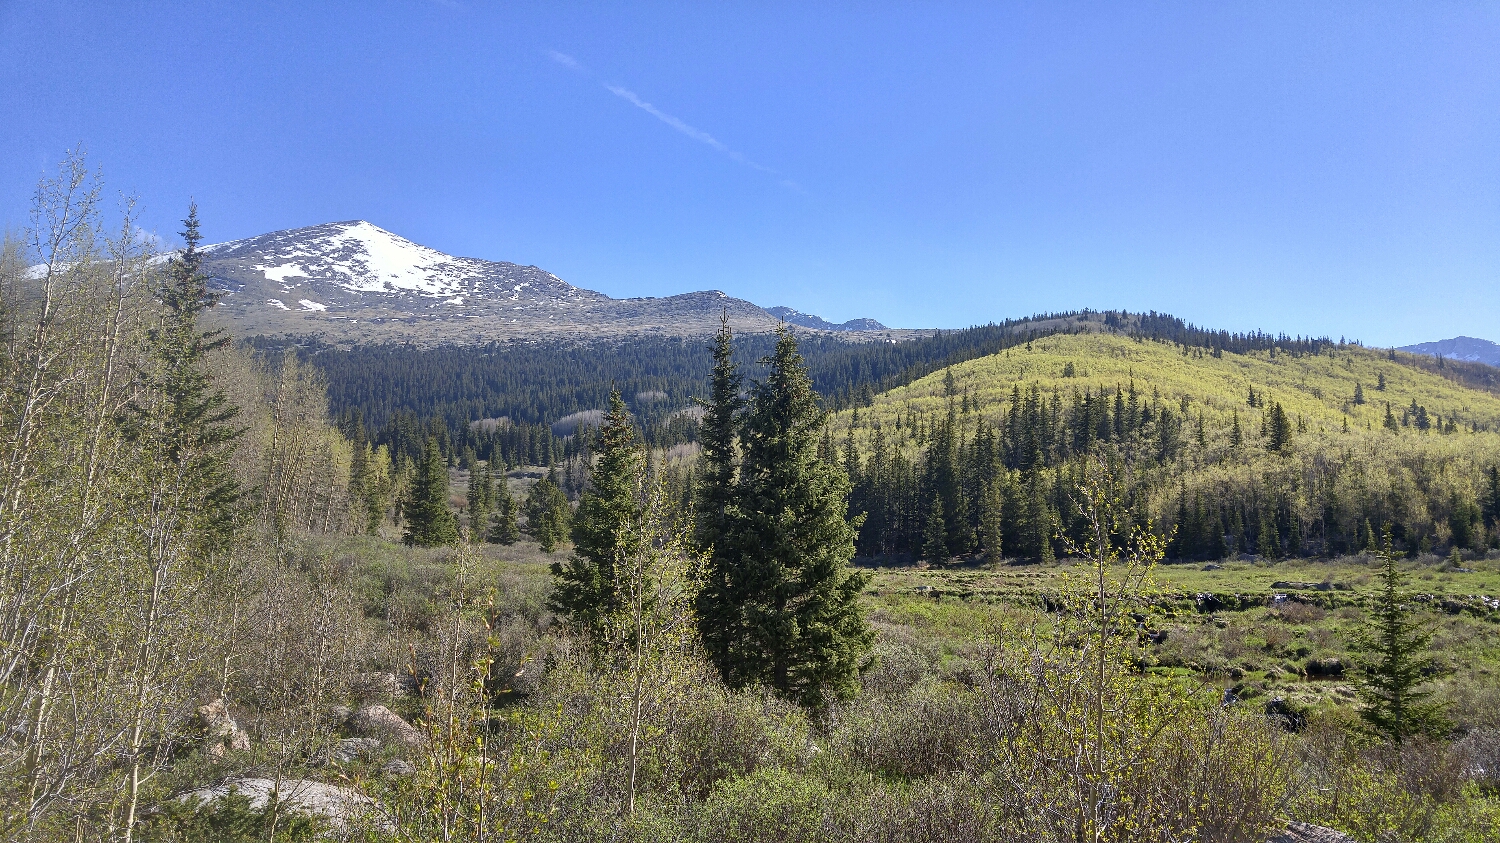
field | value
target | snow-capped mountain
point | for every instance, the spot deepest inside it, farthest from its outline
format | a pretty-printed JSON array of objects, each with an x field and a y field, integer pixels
[
  {"x": 808, "y": 320},
  {"x": 356, "y": 282},
  {"x": 1460, "y": 348}
]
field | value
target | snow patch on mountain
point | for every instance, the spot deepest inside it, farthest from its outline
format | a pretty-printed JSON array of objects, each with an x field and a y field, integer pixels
[{"x": 311, "y": 305}]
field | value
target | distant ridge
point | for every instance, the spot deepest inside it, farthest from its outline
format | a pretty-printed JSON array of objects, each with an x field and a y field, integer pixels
[
  {"x": 354, "y": 283},
  {"x": 1469, "y": 349},
  {"x": 818, "y": 323}
]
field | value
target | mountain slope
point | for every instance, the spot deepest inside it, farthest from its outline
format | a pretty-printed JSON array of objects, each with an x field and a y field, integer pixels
[
  {"x": 1319, "y": 387},
  {"x": 1187, "y": 444},
  {"x": 353, "y": 282},
  {"x": 807, "y": 320},
  {"x": 1468, "y": 349}
]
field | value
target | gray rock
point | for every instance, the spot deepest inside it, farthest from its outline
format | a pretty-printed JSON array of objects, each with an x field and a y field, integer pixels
[
  {"x": 350, "y": 750},
  {"x": 379, "y": 721},
  {"x": 397, "y": 767},
  {"x": 220, "y": 733},
  {"x": 340, "y": 806},
  {"x": 1306, "y": 833}
]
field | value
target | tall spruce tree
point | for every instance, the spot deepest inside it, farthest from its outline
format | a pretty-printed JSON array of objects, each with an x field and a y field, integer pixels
[
  {"x": 429, "y": 521},
  {"x": 503, "y": 527},
  {"x": 718, "y": 439},
  {"x": 991, "y": 521},
  {"x": 1394, "y": 664},
  {"x": 1491, "y": 497},
  {"x": 935, "y": 534},
  {"x": 784, "y": 608},
  {"x": 187, "y": 418},
  {"x": 481, "y": 495},
  {"x": 585, "y": 584},
  {"x": 1278, "y": 429},
  {"x": 547, "y": 512}
]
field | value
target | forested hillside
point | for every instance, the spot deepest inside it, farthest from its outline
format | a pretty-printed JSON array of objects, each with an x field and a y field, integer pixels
[
  {"x": 1275, "y": 451},
  {"x": 401, "y": 393}
]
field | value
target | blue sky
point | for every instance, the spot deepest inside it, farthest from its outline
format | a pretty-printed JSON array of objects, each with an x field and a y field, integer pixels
[{"x": 1329, "y": 168}]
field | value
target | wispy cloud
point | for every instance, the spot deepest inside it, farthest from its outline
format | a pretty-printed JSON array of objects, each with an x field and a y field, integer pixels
[
  {"x": 676, "y": 123},
  {"x": 566, "y": 61}
]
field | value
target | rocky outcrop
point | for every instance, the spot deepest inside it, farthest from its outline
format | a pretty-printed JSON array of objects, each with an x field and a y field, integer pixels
[
  {"x": 220, "y": 733},
  {"x": 379, "y": 721},
  {"x": 341, "y": 807}
]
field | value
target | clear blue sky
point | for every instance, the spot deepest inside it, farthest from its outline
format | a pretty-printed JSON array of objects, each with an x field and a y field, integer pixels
[{"x": 1328, "y": 168}]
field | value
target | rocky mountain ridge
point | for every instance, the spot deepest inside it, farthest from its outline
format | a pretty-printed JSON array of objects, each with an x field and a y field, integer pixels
[
  {"x": 354, "y": 282},
  {"x": 1469, "y": 349}
]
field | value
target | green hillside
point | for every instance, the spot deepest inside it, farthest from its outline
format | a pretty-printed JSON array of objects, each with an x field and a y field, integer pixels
[{"x": 1366, "y": 438}]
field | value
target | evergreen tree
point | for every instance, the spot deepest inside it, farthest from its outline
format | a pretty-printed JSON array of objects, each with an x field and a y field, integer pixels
[
  {"x": 1394, "y": 663},
  {"x": 717, "y": 437},
  {"x": 1380, "y": 382},
  {"x": 503, "y": 528},
  {"x": 480, "y": 497},
  {"x": 934, "y": 545},
  {"x": 585, "y": 584},
  {"x": 429, "y": 521},
  {"x": 784, "y": 606},
  {"x": 1491, "y": 510},
  {"x": 991, "y": 521},
  {"x": 1278, "y": 429},
  {"x": 1268, "y": 540},
  {"x": 1359, "y": 393},
  {"x": 547, "y": 512},
  {"x": 186, "y": 417},
  {"x": 1390, "y": 418}
]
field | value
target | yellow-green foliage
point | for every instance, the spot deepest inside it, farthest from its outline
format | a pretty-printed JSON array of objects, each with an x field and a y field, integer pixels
[
  {"x": 1407, "y": 475},
  {"x": 1318, "y": 388}
]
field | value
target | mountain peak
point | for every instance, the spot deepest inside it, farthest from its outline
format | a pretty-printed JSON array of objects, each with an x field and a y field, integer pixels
[
  {"x": 808, "y": 320},
  {"x": 1470, "y": 349}
]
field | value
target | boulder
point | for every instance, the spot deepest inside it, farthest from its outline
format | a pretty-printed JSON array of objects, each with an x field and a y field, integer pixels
[
  {"x": 220, "y": 733},
  {"x": 341, "y": 807},
  {"x": 350, "y": 750},
  {"x": 378, "y": 685},
  {"x": 379, "y": 721},
  {"x": 397, "y": 767},
  {"x": 338, "y": 715},
  {"x": 1306, "y": 833}
]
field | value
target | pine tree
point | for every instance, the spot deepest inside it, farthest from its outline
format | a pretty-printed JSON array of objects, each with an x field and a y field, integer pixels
[
  {"x": 1278, "y": 429},
  {"x": 585, "y": 584},
  {"x": 503, "y": 528},
  {"x": 1268, "y": 539},
  {"x": 719, "y": 458},
  {"x": 186, "y": 418},
  {"x": 480, "y": 495},
  {"x": 1359, "y": 393},
  {"x": 785, "y": 606},
  {"x": 547, "y": 512},
  {"x": 934, "y": 545},
  {"x": 1380, "y": 382},
  {"x": 1491, "y": 497},
  {"x": 1390, "y": 418},
  {"x": 1394, "y": 665},
  {"x": 991, "y": 520},
  {"x": 429, "y": 521}
]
